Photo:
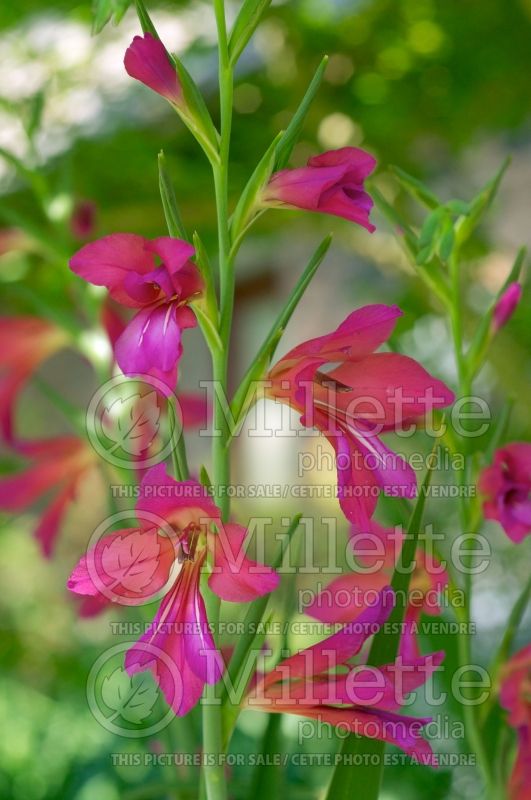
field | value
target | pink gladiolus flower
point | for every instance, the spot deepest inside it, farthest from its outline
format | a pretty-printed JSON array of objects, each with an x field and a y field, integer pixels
[
  {"x": 358, "y": 699},
  {"x": 147, "y": 60},
  {"x": 331, "y": 183},
  {"x": 126, "y": 265},
  {"x": 179, "y": 525},
  {"x": 377, "y": 552},
  {"x": 362, "y": 394},
  {"x": 515, "y": 696},
  {"x": 506, "y": 306},
  {"x": 26, "y": 343},
  {"x": 506, "y": 485},
  {"x": 57, "y": 465}
]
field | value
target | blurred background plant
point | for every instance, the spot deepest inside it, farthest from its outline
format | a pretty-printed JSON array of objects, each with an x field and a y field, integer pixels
[{"x": 440, "y": 90}]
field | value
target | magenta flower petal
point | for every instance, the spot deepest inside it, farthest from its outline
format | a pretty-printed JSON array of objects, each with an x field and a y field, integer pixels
[
  {"x": 200, "y": 651},
  {"x": 182, "y": 501},
  {"x": 178, "y": 647},
  {"x": 162, "y": 650},
  {"x": 147, "y": 60},
  {"x": 506, "y": 306},
  {"x": 175, "y": 253},
  {"x": 359, "y": 163},
  {"x": 331, "y": 183},
  {"x": 506, "y": 485},
  {"x": 338, "y": 647},
  {"x": 358, "y": 335},
  {"x": 396, "y": 389},
  {"x": 107, "y": 262},
  {"x": 151, "y": 340},
  {"x": 130, "y": 565},
  {"x": 345, "y": 598},
  {"x": 235, "y": 577}
]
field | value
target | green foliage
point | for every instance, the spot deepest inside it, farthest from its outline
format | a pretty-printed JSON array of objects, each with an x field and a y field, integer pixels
[{"x": 108, "y": 10}]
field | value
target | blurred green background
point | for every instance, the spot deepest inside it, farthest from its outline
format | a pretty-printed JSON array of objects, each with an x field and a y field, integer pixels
[{"x": 441, "y": 89}]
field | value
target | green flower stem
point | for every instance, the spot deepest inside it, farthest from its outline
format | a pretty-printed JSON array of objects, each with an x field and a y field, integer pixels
[
  {"x": 213, "y": 772},
  {"x": 178, "y": 450},
  {"x": 470, "y": 712}
]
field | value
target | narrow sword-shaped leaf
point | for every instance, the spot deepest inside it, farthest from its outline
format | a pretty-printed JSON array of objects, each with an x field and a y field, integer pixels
[
  {"x": 292, "y": 132},
  {"x": 261, "y": 361},
  {"x": 247, "y": 21},
  {"x": 169, "y": 203}
]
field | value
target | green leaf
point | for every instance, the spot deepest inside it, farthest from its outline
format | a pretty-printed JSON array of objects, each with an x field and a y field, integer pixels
[
  {"x": 511, "y": 629},
  {"x": 247, "y": 21},
  {"x": 267, "y": 777},
  {"x": 415, "y": 188},
  {"x": 198, "y": 119},
  {"x": 263, "y": 357},
  {"x": 145, "y": 20},
  {"x": 480, "y": 204},
  {"x": 244, "y": 209},
  {"x": 205, "y": 268},
  {"x": 204, "y": 477},
  {"x": 105, "y": 10},
  {"x": 208, "y": 328},
  {"x": 292, "y": 132},
  {"x": 499, "y": 430},
  {"x": 172, "y": 215},
  {"x": 458, "y": 207},
  {"x": 246, "y": 645},
  {"x": 446, "y": 241},
  {"x": 430, "y": 227},
  {"x": 477, "y": 351},
  {"x": 33, "y": 178},
  {"x": 431, "y": 273},
  {"x": 365, "y": 780},
  {"x": 35, "y": 108}
]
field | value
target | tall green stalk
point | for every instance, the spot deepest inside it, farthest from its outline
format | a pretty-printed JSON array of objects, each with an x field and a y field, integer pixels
[
  {"x": 214, "y": 777},
  {"x": 472, "y": 726}
]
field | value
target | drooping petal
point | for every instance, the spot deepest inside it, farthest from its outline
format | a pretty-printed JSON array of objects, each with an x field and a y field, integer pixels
[
  {"x": 161, "y": 650},
  {"x": 201, "y": 652},
  {"x": 151, "y": 345},
  {"x": 348, "y": 202},
  {"x": 178, "y": 647},
  {"x": 337, "y": 648},
  {"x": 235, "y": 577}
]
